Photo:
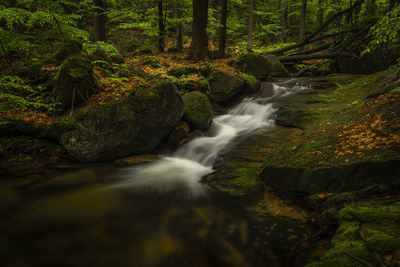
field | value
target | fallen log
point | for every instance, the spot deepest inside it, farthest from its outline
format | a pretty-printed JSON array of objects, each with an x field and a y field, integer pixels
[
  {"x": 318, "y": 56},
  {"x": 316, "y": 49}
]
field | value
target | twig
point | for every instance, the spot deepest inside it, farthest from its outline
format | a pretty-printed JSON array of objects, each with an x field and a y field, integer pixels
[{"x": 358, "y": 259}]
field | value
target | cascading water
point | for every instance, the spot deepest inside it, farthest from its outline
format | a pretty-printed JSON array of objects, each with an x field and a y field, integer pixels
[{"x": 188, "y": 164}]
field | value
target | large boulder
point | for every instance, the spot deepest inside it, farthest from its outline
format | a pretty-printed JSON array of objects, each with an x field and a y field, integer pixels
[
  {"x": 277, "y": 68},
  {"x": 251, "y": 84},
  {"x": 255, "y": 65},
  {"x": 132, "y": 125},
  {"x": 75, "y": 81},
  {"x": 224, "y": 85},
  {"x": 198, "y": 111}
]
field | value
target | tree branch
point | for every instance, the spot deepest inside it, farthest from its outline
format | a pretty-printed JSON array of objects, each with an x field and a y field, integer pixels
[{"x": 309, "y": 39}]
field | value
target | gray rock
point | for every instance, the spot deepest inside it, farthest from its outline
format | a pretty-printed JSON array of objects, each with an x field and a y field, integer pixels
[
  {"x": 198, "y": 111},
  {"x": 132, "y": 125},
  {"x": 224, "y": 85},
  {"x": 255, "y": 65}
]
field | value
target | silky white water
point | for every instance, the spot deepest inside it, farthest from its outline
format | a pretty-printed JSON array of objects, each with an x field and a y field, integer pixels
[{"x": 182, "y": 170}]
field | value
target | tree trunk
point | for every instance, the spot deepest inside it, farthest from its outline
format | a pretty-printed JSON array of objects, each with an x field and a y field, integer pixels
[
  {"x": 199, "y": 30},
  {"x": 100, "y": 20},
  {"x": 320, "y": 18},
  {"x": 161, "y": 26},
  {"x": 284, "y": 20},
  {"x": 303, "y": 20},
  {"x": 250, "y": 26},
  {"x": 179, "y": 27},
  {"x": 279, "y": 4},
  {"x": 222, "y": 33}
]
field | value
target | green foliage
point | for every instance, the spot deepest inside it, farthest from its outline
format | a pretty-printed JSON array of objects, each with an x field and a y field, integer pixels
[
  {"x": 384, "y": 31},
  {"x": 15, "y": 94}
]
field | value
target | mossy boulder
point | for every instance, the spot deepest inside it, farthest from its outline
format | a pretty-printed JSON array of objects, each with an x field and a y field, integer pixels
[
  {"x": 277, "y": 68},
  {"x": 198, "y": 111},
  {"x": 251, "y": 84},
  {"x": 184, "y": 70},
  {"x": 75, "y": 81},
  {"x": 132, "y": 125},
  {"x": 225, "y": 85},
  {"x": 367, "y": 231},
  {"x": 255, "y": 65}
]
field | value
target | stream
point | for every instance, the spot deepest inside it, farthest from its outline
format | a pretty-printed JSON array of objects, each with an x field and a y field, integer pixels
[{"x": 155, "y": 214}]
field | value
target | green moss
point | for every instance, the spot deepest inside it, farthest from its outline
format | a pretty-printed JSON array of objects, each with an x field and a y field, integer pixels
[
  {"x": 356, "y": 248},
  {"x": 184, "y": 70},
  {"x": 152, "y": 62},
  {"x": 381, "y": 242},
  {"x": 251, "y": 84},
  {"x": 347, "y": 231},
  {"x": 198, "y": 110},
  {"x": 368, "y": 214},
  {"x": 204, "y": 86},
  {"x": 312, "y": 115},
  {"x": 394, "y": 208},
  {"x": 396, "y": 90},
  {"x": 245, "y": 177}
]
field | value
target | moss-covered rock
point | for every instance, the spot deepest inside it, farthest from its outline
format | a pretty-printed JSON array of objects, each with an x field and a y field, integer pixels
[
  {"x": 198, "y": 111},
  {"x": 75, "y": 81},
  {"x": 132, "y": 125},
  {"x": 224, "y": 86},
  {"x": 277, "y": 68},
  {"x": 255, "y": 65},
  {"x": 367, "y": 231},
  {"x": 184, "y": 70},
  {"x": 251, "y": 84}
]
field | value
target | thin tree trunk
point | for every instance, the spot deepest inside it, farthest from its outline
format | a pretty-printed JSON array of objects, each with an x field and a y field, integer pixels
[
  {"x": 320, "y": 17},
  {"x": 100, "y": 20},
  {"x": 279, "y": 4},
  {"x": 161, "y": 26},
  {"x": 303, "y": 20},
  {"x": 284, "y": 20},
  {"x": 199, "y": 30},
  {"x": 179, "y": 27},
  {"x": 250, "y": 26},
  {"x": 222, "y": 33}
]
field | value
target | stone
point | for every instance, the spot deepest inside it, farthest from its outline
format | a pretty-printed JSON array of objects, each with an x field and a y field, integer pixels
[
  {"x": 251, "y": 84},
  {"x": 277, "y": 68},
  {"x": 180, "y": 132},
  {"x": 132, "y": 125},
  {"x": 224, "y": 86},
  {"x": 184, "y": 70},
  {"x": 198, "y": 110},
  {"x": 255, "y": 65}
]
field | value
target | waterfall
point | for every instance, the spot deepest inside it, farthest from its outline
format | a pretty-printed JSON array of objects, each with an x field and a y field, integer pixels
[{"x": 182, "y": 170}]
